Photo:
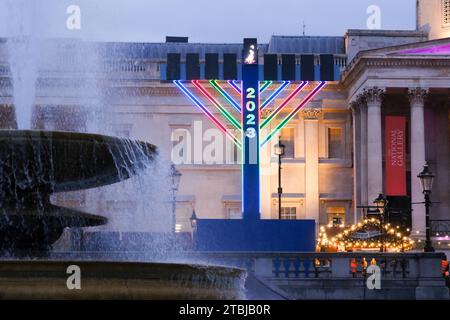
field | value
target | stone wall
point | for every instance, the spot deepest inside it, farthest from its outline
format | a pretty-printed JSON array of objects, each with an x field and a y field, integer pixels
[{"x": 360, "y": 40}]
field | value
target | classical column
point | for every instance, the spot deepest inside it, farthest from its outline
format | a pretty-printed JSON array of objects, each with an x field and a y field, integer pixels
[
  {"x": 312, "y": 208},
  {"x": 363, "y": 149},
  {"x": 374, "y": 97},
  {"x": 356, "y": 126},
  {"x": 417, "y": 98}
]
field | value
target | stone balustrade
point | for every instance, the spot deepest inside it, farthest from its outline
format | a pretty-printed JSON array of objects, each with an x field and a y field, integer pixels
[
  {"x": 341, "y": 61},
  {"x": 332, "y": 275}
]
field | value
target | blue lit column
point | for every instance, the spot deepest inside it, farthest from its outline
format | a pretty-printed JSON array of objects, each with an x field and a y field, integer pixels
[{"x": 250, "y": 121}]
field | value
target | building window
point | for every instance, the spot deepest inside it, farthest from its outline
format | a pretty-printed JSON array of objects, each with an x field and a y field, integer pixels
[
  {"x": 446, "y": 13},
  {"x": 183, "y": 215},
  {"x": 234, "y": 213},
  {"x": 287, "y": 138},
  {"x": 335, "y": 145},
  {"x": 288, "y": 213},
  {"x": 336, "y": 216}
]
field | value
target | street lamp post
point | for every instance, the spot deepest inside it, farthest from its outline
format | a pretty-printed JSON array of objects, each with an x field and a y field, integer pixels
[
  {"x": 175, "y": 176},
  {"x": 381, "y": 203},
  {"x": 426, "y": 180},
  {"x": 279, "y": 151},
  {"x": 193, "y": 220}
]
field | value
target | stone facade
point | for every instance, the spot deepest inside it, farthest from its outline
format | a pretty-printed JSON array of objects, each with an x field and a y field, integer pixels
[
  {"x": 411, "y": 85},
  {"x": 335, "y": 159},
  {"x": 361, "y": 40}
]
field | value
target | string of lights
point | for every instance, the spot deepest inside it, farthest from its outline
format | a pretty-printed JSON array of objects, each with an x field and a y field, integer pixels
[{"x": 367, "y": 235}]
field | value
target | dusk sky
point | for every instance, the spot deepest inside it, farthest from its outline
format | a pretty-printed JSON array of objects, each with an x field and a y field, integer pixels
[{"x": 201, "y": 20}]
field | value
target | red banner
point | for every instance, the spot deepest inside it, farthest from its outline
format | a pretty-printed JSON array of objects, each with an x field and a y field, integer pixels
[{"x": 395, "y": 136}]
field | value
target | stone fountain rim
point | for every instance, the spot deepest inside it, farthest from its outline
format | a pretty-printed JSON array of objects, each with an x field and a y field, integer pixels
[
  {"x": 60, "y": 134},
  {"x": 70, "y": 137},
  {"x": 218, "y": 269},
  {"x": 47, "y": 279}
]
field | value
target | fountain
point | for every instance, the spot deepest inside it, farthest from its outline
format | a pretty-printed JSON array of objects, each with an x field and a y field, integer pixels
[
  {"x": 37, "y": 161},
  {"x": 35, "y": 164}
]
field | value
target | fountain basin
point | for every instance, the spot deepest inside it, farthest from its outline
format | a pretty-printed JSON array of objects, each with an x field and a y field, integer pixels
[
  {"x": 35, "y": 164},
  {"x": 44, "y": 279},
  {"x": 25, "y": 233}
]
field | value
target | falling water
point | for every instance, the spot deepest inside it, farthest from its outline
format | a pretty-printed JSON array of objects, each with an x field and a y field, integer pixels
[
  {"x": 139, "y": 207},
  {"x": 23, "y": 52},
  {"x": 74, "y": 71}
]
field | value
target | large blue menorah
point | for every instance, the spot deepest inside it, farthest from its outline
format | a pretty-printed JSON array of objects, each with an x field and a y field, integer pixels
[{"x": 251, "y": 233}]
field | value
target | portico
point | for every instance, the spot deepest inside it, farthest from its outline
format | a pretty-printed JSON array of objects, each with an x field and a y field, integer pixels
[{"x": 411, "y": 81}]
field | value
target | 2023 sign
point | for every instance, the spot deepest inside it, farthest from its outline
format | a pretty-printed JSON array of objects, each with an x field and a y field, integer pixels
[{"x": 250, "y": 118}]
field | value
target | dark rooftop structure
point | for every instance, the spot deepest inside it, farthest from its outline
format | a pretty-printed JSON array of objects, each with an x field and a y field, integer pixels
[
  {"x": 277, "y": 44},
  {"x": 307, "y": 45}
]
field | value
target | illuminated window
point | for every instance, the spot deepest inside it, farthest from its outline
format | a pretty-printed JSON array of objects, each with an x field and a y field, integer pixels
[
  {"x": 183, "y": 216},
  {"x": 287, "y": 138},
  {"x": 288, "y": 213},
  {"x": 335, "y": 145},
  {"x": 178, "y": 228},
  {"x": 336, "y": 215},
  {"x": 446, "y": 13}
]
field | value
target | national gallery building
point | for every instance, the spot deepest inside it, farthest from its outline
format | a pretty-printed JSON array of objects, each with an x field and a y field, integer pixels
[{"x": 369, "y": 132}]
